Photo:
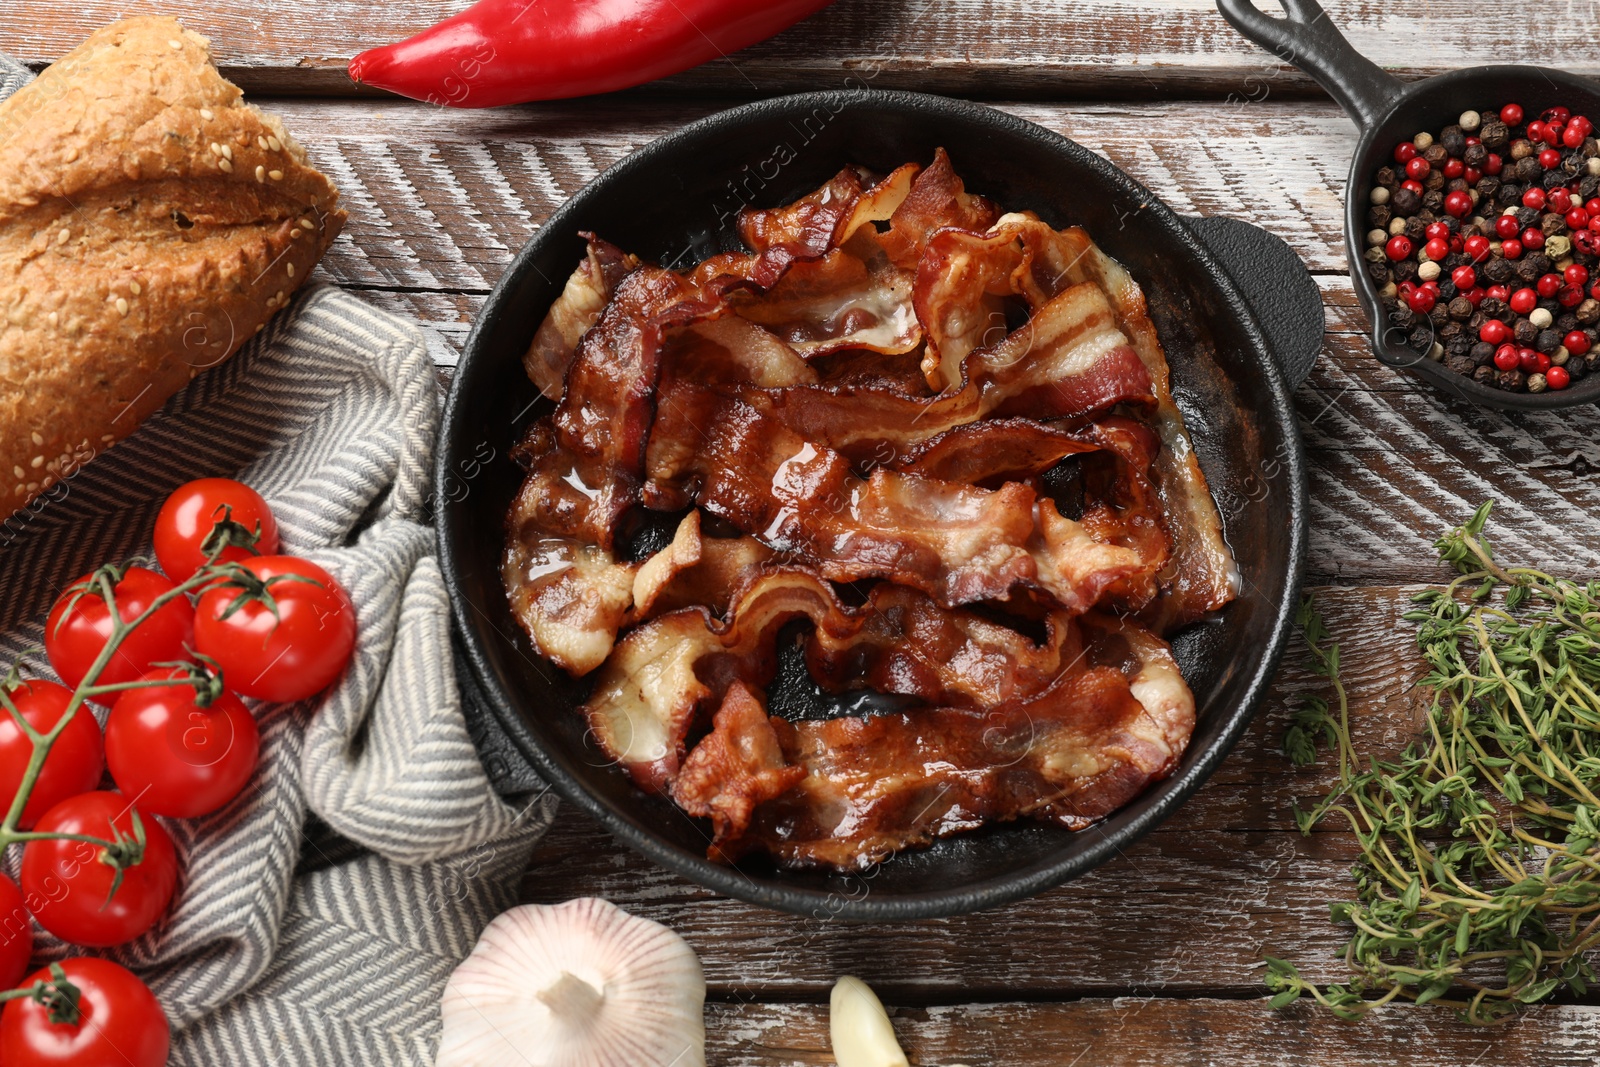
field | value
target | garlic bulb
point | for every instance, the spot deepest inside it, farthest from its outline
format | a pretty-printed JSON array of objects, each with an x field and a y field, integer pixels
[
  {"x": 859, "y": 1028},
  {"x": 580, "y": 984}
]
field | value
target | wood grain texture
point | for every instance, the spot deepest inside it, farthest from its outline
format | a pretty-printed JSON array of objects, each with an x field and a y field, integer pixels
[
  {"x": 987, "y": 48},
  {"x": 1152, "y": 1032},
  {"x": 1190, "y": 909}
]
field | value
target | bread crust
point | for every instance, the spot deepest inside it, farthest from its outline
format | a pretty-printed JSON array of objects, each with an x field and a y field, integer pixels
[{"x": 150, "y": 223}]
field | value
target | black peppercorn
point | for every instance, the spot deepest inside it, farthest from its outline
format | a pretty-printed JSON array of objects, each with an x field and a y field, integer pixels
[
  {"x": 1487, "y": 187},
  {"x": 1577, "y": 368},
  {"x": 1387, "y": 178},
  {"x": 1474, "y": 155},
  {"x": 1554, "y": 178},
  {"x": 1498, "y": 270},
  {"x": 1449, "y": 330},
  {"x": 1512, "y": 381},
  {"x": 1509, "y": 193},
  {"x": 1459, "y": 344},
  {"x": 1493, "y": 307},
  {"x": 1405, "y": 270},
  {"x": 1588, "y": 187},
  {"x": 1527, "y": 271},
  {"x": 1433, "y": 199},
  {"x": 1439, "y": 317},
  {"x": 1378, "y": 216},
  {"x": 1494, "y": 136},
  {"x": 1379, "y": 273},
  {"x": 1528, "y": 169},
  {"x": 1421, "y": 339},
  {"x": 1455, "y": 260},
  {"x": 1540, "y": 261},
  {"x": 1546, "y": 341},
  {"x": 1552, "y": 224},
  {"x": 1566, "y": 321},
  {"x": 1436, "y": 154},
  {"x": 1406, "y": 202},
  {"x": 1587, "y": 312},
  {"x": 1460, "y": 364},
  {"x": 1461, "y": 309},
  {"x": 1590, "y": 148},
  {"x": 1483, "y": 353},
  {"x": 1402, "y": 318},
  {"x": 1524, "y": 333},
  {"x": 1485, "y": 375},
  {"x": 1456, "y": 185},
  {"x": 1526, "y": 216}
]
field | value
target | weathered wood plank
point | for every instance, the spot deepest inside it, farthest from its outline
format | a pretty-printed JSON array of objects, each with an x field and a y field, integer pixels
[
  {"x": 1150, "y": 1032},
  {"x": 1227, "y": 871},
  {"x": 992, "y": 48},
  {"x": 441, "y": 199}
]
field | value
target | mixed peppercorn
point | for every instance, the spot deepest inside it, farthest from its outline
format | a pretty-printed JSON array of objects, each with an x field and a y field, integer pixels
[{"x": 1482, "y": 242}]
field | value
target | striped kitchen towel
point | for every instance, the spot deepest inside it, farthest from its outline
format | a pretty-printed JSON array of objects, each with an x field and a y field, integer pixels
[{"x": 331, "y": 413}]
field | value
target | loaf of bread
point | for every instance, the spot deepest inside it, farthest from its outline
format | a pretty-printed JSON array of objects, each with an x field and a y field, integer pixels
[{"x": 150, "y": 223}]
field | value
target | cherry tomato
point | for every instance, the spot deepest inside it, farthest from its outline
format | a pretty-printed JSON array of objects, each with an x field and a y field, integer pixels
[
  {"x": 175, "y": 757},
  {"x": 70, "y": 882},
  {"x": 76, "y": 760},
  {"x": 16, "y": 934},
  {"x": 78, "y": 627},
  {"x": 284, "y": 657},
  {"x": 193, "y": 512},
  {"x": 119, "y": 1023}
]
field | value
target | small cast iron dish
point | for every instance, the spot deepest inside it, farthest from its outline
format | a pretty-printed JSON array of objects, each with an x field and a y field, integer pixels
[
  {"x": 675, "y": 201},
  {"x": 1387, "y": 111}
]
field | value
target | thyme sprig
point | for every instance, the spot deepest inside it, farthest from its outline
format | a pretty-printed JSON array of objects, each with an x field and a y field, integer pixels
[{"x": 1478, "y": 885}]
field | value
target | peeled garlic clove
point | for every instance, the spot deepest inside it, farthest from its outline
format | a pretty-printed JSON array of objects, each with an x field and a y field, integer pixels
[
  {"x": 580, "y": 984},
  {"x": 859, "y": 1027}
]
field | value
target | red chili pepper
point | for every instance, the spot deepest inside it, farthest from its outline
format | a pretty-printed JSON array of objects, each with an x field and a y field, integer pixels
[{"x": 512, "y": 51}]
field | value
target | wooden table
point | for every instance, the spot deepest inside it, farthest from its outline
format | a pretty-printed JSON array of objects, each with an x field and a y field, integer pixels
[{"x": 1153, "y": 959}]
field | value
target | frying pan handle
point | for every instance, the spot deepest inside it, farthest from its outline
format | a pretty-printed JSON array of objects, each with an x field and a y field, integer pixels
[{"x": 1311, "y": 42}]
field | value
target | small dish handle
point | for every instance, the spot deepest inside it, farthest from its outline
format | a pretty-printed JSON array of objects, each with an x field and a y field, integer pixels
[{"x": 1310, "y": 41}]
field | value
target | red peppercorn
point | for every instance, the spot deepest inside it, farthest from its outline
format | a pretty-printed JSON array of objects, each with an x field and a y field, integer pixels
[
  {"x": 1577, "y": 274},
  {"x": 1557, "y": 378},
  {"x": 1499, "y": 292},
  {"x": 1454, "y": 168},
  {"x": 1511, "y": 115},
  {"x": 1398, "y": 248},
  {"x": 1594, "y": 290},
  {"x": 1505, "y": 357},
  {"x": 1572, "y": 136},
  {"x": 1533, "y": 238},
  {"x": 1557, "y": 114},
  {"x": 1455, "y": 243},
  {"x": 1437, "y": 229},
  {"x": 1437, "y": 248},
  {"x": 1422, "y": 300},
  {"x": 1576, "y": 342},
  {"x": 1464, "y": 278},
  {"x": 1534, "y": 198},
  {"x": 1405, "y": 152},
  {"x": 1550, "y": 284},
  {"x": 1477, "y": 248},
  {"x": 1476, "y": 294},
  {"x": 1494, "y": 164},
  {"x": 1511, "y": 249},
  {"x": 1570, "y": 296},
  {"x": 1577, "y": 219},
  {"x": 1458, "y": 203},
  {"x": 1552, "y": 135},
  {"x": 1494, "y": 331},
  {"x": 1473, "y": 175},
  {"x": 1593, "y": 207},
  {"x": 1419, "y": 168},
  {"x": 1584, "y": 241},
  {"x": 1535, "y": 131},
  {"x": 1541, "y": 363},
  {"x": 1506, "y": 226},
  {"x": 1523, "y": 301},
  {"x": 1583, "y": 123},
  {"x": 1527, "y": 361},
  {"x": 1559, "y": 200},
  {"x": 1415, "y": 187},
  {"x": 1432, "y": 285},
  {"x": 1549, "y": 159}
]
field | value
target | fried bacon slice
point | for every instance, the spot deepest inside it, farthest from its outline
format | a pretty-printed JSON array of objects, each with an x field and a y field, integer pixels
[
  {"x": 1071, "y": 754},
  {"x": 957, "y": 543},
  {"x": 647, "y": 695},
  {"x": 587, "y": 291}
]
